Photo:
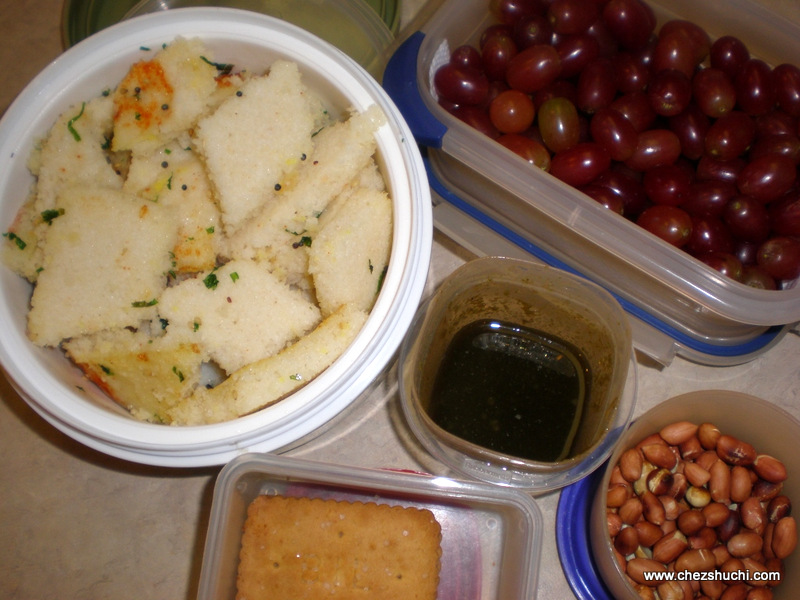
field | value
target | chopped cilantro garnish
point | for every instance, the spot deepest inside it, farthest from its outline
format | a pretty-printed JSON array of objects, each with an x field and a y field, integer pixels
[
  {"x": 222, "y": 67},
  {"x": 13, "y": 237},
  {"x": 211, "y": 281},
  {"x": 106, "y": 370},
  {"x": 234, "y": 277},
  {"x": 381, "y": 278},
  {"x": 178, "y": 373},
  {"x": 49, "y": 215},
  {"x": 144, "y": 303},
  {"x": 71, "y": 123},
  {"x": 210, "y": 230},
  {"x": 296, "y": 377},
  {"x": 304, "y": 241}
]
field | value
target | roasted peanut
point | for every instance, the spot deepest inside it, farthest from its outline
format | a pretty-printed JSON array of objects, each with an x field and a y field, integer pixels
[
  {"x": 659, "y": 481},
  {"x": 730, "y": 527},
  {"x": 631, "y": 510},
  {"x": 696, "y": 559},
  {"x": 708, "y": 434},
  {"x": 695, "y": 474},
  {"x": 691, "y": 521},
  {"x": 741, "y": 484},
  {"x": 660, "y": 455},
  {"x": 671, "y": 507},
  {"x": 678, "y": 432},
  {"x": 649, "y": 533},
  {"x": 652, "y": 509},
  {"x": 670, "y": 547},
  {"x": 721, "y": 554},
  {"x": 630, "y": 464},
  {"x": 774, "y": 565},
  {"x": 766, "y": 490},
  {"x": 760, "y": 593},
  {"x": 712, "y": 588},
  {"x": 698, "y": 497},
  {"x": 719, "y": 485},
  {"x": 670, "y": 590},
  {"x": 753, "y": 515},
  {"x": 614, "y": 523},
  {"x": 679, "y": 486},
  {"x": 705, "y": 538},
  {"x": 737, "y": 591},
  {"x": 715, "y": 513},
  {"x": 778, "y": 507},
  {"x": 617, "y": 495},
  {"x": 769, "y": 468},
  {"x": 731, "y": 565},
  {"x": 745, "y": 543},
  {"x": 734, "y": 451},
  {"x": 752, "y": 567},
  {"x": 627, "y": 541},
  {"x": 637, "y": 567},
  {"x": 691, "y": 448},
  {"x": 784, "y": 537}
]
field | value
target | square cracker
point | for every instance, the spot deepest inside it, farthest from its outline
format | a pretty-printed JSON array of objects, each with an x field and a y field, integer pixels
[{"x": 295, "y": 548}]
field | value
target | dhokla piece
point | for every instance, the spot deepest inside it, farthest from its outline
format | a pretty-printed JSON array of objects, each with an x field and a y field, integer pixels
[
  {"x": 105, "y": 265},
  {"x": 353, "y": 245},
  {"x": 75, "y": 153},
  {"x": 175, "y": 176},
  {"x": 146, "y": 375},
  {"x": 164, "y": 96},
  {"x": 266, "y": 381},
  {"x": 240, "y": 313},
  {"x": 281, "y": 227},
  {"x": 296, "y": 548},
  {"x": 256, "y": 137}
]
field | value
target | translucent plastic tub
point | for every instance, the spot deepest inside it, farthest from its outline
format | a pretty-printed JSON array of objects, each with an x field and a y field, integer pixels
[
  {"x": 711, "y": 318},
  {"x": 491, "y": 537}
]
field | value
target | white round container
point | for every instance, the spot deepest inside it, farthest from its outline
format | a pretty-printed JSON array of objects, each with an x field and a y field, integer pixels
[{"x": 57, "y": 390}]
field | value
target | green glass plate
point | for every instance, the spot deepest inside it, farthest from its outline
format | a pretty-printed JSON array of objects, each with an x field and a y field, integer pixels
[{"x": 81, "y": 18}]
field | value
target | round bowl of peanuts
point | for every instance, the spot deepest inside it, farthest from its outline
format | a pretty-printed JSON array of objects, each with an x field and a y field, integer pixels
[
  {"x": 215, "y": 236},
  {"x": 696, "y": 502}
]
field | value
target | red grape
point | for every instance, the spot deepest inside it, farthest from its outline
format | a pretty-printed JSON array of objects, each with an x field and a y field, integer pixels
[
  {"x": 614, "y": 132},
  {"x": 730, "y": 135},
  {"x": 630, "y": 22},
  {"x": 533, "y": 68},
  {"x": 528, "y": 148},
  {"x": 669, "y": 92},
  {"x": 667, "y": 184},
  {"x": 572, "y": 16},
  {"x": 787, "y": 88},
  {"x": 780, "y": 257},
  {"x": 558, "y": 124},
  {"x": 724, "y": 262},
  {"x": 512, "y": 112},
  {"x": 691, "y": 127},
  {"x": 709, "y": 234},
  {"x": 654, "y": 147},
  {"x": 670, "y": 223},
  {"x": 581, "y": 164},
  {"x": 461, "y": 85},
  {"x": 728, "y": 53},
  {"x": 755, "y": 91},
  {"x": 747, "y": 219},
  {"x": 767, "y": 177},
  {"x": 713, "y": 91},
  {"x": 596, "y": 85}
]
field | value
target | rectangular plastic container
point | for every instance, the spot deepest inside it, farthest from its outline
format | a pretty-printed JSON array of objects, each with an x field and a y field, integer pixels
[
  {"x": 684, "y": 307},
  {"x": 491, "y": 536}
]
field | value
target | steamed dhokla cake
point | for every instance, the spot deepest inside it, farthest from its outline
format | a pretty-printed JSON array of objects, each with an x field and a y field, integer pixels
[
  {"x": 268, "y": 380},
  {"x": 239, "y": 312},
  {"x": 303, "y": 548},
  {"x": 174, "y": 176},
  {"x": 256, "y": 137},
  {"x": 104, "y": 265},
  {"x": 162, "y": 97}
]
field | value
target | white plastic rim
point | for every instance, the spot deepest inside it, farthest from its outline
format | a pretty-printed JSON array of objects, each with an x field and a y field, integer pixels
[{"x": 52, "y": 386}]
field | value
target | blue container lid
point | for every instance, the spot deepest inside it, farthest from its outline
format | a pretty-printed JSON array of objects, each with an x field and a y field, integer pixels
[{"x": 572, "y": 538}]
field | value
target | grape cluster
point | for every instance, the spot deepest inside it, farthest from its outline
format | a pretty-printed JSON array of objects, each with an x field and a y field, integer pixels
[{"x": 694, "y": 140}]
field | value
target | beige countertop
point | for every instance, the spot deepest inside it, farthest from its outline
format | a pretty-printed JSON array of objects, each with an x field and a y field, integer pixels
[{"x": 75, "y": 523}]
